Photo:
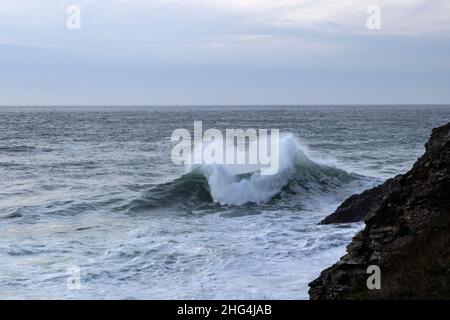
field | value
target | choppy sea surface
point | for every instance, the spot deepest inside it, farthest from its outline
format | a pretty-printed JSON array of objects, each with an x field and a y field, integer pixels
[{"x": 91, "y": 193}]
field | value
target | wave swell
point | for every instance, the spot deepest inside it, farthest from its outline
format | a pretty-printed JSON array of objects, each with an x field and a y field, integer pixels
[{"x": 224, "y": 185}]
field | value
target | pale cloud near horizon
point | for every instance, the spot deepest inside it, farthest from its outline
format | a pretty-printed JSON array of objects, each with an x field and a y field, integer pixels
[
  {"x": 219, "y": 24},
  {"x": 220, "y": 51}
]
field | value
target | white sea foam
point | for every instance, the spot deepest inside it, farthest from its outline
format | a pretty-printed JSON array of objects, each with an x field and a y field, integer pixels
[{"x": 228, "y": 185}]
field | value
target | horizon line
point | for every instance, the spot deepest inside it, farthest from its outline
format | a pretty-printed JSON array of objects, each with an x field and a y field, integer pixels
[{"x": 224, "y": 105}]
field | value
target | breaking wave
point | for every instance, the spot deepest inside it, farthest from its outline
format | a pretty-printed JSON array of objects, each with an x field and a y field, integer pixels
[{"x": 227, "y": 185}]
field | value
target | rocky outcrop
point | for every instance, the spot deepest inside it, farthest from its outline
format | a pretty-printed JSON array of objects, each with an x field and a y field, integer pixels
[
  {"x": 407, "y": 234},
  {"x": 362, "y": 206}
]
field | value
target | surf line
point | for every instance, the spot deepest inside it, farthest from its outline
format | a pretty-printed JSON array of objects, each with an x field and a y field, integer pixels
[{"x": 210, "y": 147}]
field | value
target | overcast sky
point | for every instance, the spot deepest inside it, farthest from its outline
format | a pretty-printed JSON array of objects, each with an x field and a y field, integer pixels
[{"x": 165, "y": 52}]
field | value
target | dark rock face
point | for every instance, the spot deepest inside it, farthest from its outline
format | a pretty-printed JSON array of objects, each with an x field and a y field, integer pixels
[
  {"x": 407, "y": 234},
  {"x": 361, "y": 206}
]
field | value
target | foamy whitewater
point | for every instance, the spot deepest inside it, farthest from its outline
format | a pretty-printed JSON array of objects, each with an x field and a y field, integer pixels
[
  {"x": 230, "y": 185},
  {"x": 95, "y": 190}
]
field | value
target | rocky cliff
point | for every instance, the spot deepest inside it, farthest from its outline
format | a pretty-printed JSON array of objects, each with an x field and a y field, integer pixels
[{"x": 407, "y": 234}]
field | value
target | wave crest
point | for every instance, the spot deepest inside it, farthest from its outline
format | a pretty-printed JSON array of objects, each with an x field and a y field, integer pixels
[{"x": 227, "y": 185}]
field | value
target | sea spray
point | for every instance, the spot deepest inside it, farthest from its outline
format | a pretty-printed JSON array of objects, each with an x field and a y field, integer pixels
[
  {"x": 235, "y": 185},
  {"x": 210, "y": 148}
]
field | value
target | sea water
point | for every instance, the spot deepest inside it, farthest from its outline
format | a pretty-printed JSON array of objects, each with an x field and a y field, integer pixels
[{"x": 90, "y": 194}]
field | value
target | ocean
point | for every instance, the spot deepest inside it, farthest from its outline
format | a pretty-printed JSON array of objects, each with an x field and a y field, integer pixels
[{"x": 92, "y": 206}]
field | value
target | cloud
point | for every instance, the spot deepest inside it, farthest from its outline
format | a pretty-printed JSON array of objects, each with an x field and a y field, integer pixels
[{"x": 408, "y": 17}]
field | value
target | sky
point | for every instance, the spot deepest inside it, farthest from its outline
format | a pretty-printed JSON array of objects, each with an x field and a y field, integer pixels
[{"x": 224, "y": 52}]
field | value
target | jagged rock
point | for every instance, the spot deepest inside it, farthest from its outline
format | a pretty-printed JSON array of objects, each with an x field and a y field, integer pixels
[
  {"x": 359, "y": 206},
  {"x": 407, "y": 234}
]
